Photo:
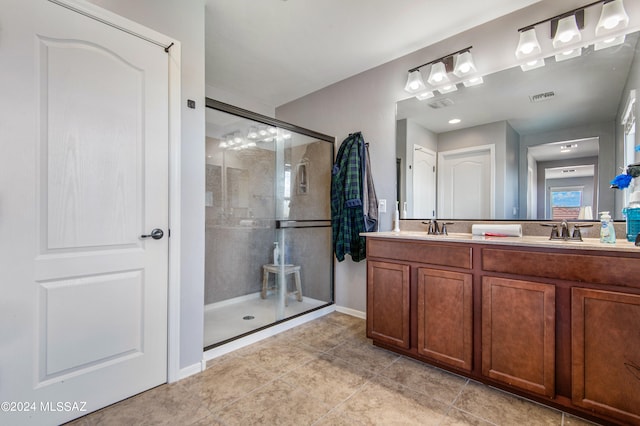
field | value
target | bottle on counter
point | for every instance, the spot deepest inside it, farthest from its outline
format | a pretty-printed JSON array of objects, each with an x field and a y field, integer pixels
[
  {"x": 396, "y": 218},
  {"x": 607, "y": 232}
]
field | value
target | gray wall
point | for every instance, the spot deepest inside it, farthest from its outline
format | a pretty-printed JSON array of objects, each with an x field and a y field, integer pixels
[{"x": 366, "y": 102}]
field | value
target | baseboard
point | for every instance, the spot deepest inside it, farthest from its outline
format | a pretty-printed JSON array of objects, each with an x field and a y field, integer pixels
[
  {"x": 352, "y": 312},
  {"x": 196, "y": 368},
  {"x": 268, "y": 332}
]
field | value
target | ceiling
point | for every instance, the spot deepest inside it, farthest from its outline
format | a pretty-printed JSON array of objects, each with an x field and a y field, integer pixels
[{"x": 275, "y": 51}]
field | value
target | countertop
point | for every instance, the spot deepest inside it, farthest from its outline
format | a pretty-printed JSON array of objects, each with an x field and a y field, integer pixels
[{"x": 591, "y": 244}]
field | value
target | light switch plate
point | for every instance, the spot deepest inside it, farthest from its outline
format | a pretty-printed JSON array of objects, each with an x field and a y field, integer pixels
[{"x": 382, "y": 206}]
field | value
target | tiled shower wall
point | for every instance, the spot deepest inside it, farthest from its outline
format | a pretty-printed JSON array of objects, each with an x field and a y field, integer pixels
[{"x": 239, "y": 236}]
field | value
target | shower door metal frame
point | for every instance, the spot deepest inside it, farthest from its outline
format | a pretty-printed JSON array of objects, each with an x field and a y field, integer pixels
[{"x": 281, "y": 224}]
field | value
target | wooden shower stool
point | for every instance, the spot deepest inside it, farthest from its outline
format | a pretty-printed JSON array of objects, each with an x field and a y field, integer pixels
[{"x": 275, "y": 269}]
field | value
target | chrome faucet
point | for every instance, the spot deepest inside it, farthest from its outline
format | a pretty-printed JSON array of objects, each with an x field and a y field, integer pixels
[
  {"x": 564, "y": 230},
  {"x": 563, "y": 233},
  {"x": 435, "y": 228}
]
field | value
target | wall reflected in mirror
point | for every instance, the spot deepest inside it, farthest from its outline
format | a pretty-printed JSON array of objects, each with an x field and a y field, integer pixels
[{"x": 521, "y": 137}]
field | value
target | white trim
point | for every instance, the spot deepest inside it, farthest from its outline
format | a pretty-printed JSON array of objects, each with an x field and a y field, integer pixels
[
  {"x": 196, "y": 368},
  {"x": 175, "y": 240},
  {"x": 119, "y": 22},
  {"x": 352, "y": 312},
  {"x": 268, "y": 332},
  {"x": 629, "y": 109},
  {"x": 174, "y": 64}
]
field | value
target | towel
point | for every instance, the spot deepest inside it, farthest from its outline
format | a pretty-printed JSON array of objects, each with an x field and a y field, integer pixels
[{"x": 499, "y": 229}]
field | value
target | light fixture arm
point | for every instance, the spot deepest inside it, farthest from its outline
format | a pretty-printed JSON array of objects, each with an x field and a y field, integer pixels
[
  {"x": 562, "y": 15},
  {"x": 450, "y": 55}
]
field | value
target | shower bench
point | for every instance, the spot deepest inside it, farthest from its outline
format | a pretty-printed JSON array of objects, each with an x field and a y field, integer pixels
[{"x": 275, "y": 269}]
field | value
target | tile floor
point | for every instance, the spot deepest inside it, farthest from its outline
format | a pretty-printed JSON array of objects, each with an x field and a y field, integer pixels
[{"x": 325, "y": 372}]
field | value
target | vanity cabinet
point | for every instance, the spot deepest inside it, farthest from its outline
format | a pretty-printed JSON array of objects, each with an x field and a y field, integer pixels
[
  {"x": 605, "y": 352},
  {"x": 445, "y": 317},
  {"x": 518, "y": 333},
  {"x": 556, "y": 324},
  {"x": 388, "y": 303}
]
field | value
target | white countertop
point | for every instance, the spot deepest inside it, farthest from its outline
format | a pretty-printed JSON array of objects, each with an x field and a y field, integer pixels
[{"x": 526, "y": 241}]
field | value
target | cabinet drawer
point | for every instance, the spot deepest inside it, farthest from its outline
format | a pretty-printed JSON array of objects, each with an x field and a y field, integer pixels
[
  {"x": 564, "y": 266},
  {"x": 427, "y": 252}
]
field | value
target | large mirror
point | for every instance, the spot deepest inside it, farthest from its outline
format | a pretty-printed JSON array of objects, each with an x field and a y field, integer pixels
[{"x": 532, "y": 145}]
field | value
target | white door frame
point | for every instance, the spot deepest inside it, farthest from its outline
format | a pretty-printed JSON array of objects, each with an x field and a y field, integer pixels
[{"x": 124, "y": 24}]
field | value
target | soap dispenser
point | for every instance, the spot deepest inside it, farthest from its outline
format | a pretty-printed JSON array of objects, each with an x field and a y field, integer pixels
[
  {"x": 607, "y": 232},
  {"x": 276, "y": 253}
]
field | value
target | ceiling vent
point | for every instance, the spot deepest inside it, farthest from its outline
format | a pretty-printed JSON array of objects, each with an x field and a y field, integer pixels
[
  {"x": 441, "y": 103},
  {"x": 541, "y": 97}
]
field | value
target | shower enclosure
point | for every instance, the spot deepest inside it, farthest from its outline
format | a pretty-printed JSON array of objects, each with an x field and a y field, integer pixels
[{"x": 267, "y": 185}]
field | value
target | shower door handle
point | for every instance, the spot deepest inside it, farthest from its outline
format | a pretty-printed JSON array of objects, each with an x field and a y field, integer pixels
[{"x": 156, "y": 234}]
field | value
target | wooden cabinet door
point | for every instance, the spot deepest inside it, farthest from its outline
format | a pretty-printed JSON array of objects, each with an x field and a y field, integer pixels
[
  {"x": 605, "y": 351},
  {"x": 445, "y": 317},
  {"x": 518, "y": 333},
  {"x": 388, "y": 303}
]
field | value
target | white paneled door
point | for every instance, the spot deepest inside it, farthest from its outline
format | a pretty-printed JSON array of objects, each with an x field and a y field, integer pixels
[
  {"x": 83, "y": 316},
  {"x": 424, "y": 182},
  {"x": 466, "y": 181}
]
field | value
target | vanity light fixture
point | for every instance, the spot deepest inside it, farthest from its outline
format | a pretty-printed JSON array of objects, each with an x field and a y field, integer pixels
[
  {"x": 474, "y": 81},
  {"x": 237, "y": 138},
  {"x": 464, "y": 64},
  {"x": 448, "y": 88},
  {"x": 613, "y": 19},
  {"x": 528, "y": 46},
  {"x": 425, "y": 95},
  {"x": 567, "y": 32},
  {"x": 414, "y": 82},
  {"x": 568, "y": 54},
  {"x": 438, "y": 74},
  {"x": 532, "y": 64}
]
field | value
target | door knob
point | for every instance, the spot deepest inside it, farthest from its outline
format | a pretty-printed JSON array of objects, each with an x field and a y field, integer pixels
[{"x": 156, "y": 234}]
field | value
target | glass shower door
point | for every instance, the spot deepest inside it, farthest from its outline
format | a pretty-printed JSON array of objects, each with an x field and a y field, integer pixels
[
  {"x": 266, "y": 185},
  {"x": 303, "y": 222}
]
